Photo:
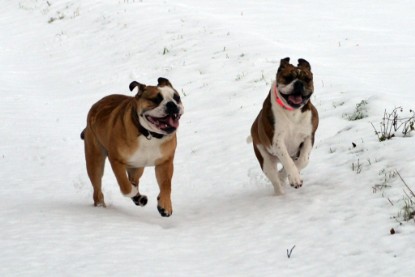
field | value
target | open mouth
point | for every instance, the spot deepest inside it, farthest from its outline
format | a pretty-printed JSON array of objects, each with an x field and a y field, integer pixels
[
  {"x": 295, "y": 101},
  {"x": 168, "y": 123}
]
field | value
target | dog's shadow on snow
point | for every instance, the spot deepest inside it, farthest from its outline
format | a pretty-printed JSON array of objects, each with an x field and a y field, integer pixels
[
  {"x": 252, "y": 198},
  {"x": 255, "y": 196},
  {"x": 81, "y": 211}
]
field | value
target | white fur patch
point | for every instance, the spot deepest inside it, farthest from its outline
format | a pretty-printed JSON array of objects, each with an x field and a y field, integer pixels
[
  {"x": 167, "y": 92},
  {"x": 134, "y": 191},
  {"x": 286, "y": 89},
  {"x": 147, "y": 153}
]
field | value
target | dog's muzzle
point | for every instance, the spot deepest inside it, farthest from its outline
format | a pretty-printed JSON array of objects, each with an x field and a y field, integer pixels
[
  {"x": 298, "y": 97},
  {"x": 170, "y": 121}
]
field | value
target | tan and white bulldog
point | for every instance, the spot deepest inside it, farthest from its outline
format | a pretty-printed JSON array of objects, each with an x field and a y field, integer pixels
[
  {"x": 283, "y": 132},
  {"x": 134, "y": 132}
]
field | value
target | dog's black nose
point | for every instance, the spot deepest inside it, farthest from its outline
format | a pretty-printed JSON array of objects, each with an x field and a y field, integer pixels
[
  {"x": 298, "y": 87},
  {"x": 171, "y": 108}
]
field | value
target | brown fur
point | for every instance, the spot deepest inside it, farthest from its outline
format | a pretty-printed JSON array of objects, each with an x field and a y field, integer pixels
[
  {"x": 314, "y": 118},
  {"x": 262, "y": 129}
]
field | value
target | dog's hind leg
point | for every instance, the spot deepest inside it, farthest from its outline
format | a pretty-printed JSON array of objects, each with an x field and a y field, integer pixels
[
  {"x": 95, "y": 157},
  {"x": 271, "y": 171},
  {"x": 269, "y": 167},
  {"x": 282, "y": 175},
  {"x": 134, "y": 175}
]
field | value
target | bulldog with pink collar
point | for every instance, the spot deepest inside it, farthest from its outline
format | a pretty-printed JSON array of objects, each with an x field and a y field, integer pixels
[{"x": 283, "y": 132}]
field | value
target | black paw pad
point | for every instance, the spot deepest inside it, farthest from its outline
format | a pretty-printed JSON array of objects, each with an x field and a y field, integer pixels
[
  {"x": 297, "y": 186},
  {"x": 163, "y": 212},
  {"x": 140, "y": 200}
]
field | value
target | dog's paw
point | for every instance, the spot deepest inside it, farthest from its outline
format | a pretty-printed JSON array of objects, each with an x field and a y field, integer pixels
[
  {"x": 296, "y": 186},
  {"x": 100, "y": 204},
  {"x": 164, "y": 207},
  {"x": 295, "y": 180},
  {"x": 163, "y": 212},
  {"x": 140, "y": 200}
]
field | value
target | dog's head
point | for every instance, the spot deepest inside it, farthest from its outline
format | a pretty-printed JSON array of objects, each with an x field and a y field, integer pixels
[
  {"x": 159, "y": 108},
  {"x": 295, "y": 83}
]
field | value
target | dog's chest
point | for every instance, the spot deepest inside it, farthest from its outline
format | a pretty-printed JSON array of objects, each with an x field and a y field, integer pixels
[
  {"x": 147, "y": 152},
  {"x": 292, "y": 128}
]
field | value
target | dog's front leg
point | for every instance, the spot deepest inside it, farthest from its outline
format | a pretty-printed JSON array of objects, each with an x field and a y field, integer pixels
[
  {"x": 134, "y": 175},
  {"x": 301, "y": 161},
  {"x": 164, "y": 174},
  {"x": 120, "y": 172},
  {"x": 280, "y": 150}
]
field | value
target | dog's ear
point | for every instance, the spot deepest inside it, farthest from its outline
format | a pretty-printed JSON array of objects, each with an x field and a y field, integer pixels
[
  {"x": 163, "y": 82},
  {"x": 140, "y": 87},
  {"x": 283, "y": 63},
  {"x": 304, "y": 64}
]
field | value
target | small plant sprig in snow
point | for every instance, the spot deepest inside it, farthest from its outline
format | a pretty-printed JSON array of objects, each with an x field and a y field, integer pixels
[
  {"x": 289, "y": 252},
  {"x": 359, "y": 113},
  {"x": 357, "y": 167},
  {"x": 406, "y": 204},
  {"x": 393, "y": 122},
  {"x": 408, "y": 209},
  {"x": 165, "y": 50},
  {"x": 388, "y": 177}
]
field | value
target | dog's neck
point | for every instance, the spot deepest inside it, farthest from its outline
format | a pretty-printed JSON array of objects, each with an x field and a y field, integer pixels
[
  {"x": 143, "y": 131},
  {"x": 279, "y": 101}
]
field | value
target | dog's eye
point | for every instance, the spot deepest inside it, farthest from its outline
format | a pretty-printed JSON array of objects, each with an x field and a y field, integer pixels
[
  {"x": 157, "y": 100},
  {"x": 306, "y": 79},
  {"x": 176, "y": 98},
  {"x": 288, "y": 79}
]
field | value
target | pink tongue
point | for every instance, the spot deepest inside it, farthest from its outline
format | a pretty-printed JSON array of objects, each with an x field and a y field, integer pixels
[
  {"x": 295, "y": 99},
  {"x": 172, "y": 122}
]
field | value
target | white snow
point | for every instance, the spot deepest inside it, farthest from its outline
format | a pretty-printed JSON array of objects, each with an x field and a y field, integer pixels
[{"x": 57, "y": 58}]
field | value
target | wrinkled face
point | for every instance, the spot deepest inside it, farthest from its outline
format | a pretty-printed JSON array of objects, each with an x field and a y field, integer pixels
[
  {"x": 295, "y": 83},
  {"x": 159, "y": 108}
]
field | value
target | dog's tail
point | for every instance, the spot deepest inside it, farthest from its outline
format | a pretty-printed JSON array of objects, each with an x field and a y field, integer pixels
[
  {"x": 83, "y": 134},
  {"x": 249, "y": 139}
]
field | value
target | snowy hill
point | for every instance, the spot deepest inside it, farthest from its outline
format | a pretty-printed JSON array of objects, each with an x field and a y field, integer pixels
[{"x": 57, "y": 58}]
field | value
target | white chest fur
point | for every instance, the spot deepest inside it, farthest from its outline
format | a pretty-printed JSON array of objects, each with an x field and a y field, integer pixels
[
  {"x": 291, "y": 128},
  {"x": 148, "y": 152}
]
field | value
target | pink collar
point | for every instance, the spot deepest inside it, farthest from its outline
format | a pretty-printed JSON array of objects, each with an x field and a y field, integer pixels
[{"x": 279, "y": 101}]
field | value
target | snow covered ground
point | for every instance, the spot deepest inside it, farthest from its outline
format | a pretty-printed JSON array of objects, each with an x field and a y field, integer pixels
[{"x": 59, "y": 57}]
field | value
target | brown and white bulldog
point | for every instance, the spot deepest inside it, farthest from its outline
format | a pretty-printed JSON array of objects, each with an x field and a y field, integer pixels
[
  {"x": 134, "y": 132},
  {"x": 283, "y": 132}
]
